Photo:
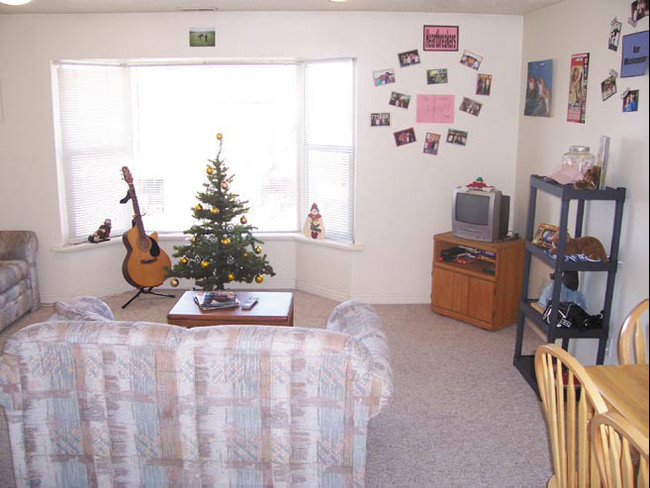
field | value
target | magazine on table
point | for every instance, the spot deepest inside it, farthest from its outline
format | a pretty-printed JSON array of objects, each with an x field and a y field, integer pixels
[{"x": 215, "y": 300}]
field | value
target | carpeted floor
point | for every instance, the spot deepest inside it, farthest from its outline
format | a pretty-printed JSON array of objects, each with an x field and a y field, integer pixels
[{"x": 461, "y": 415}]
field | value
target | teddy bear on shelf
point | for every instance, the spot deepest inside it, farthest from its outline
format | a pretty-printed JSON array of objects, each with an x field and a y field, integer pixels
[
  {"x": 102, "y": 233},
  {"x": 591, "y": 179},
  {"x": 587, "y": 245}
]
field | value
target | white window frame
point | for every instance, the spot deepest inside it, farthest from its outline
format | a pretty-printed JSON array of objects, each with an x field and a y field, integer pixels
[{"x": 338, "y": 230}]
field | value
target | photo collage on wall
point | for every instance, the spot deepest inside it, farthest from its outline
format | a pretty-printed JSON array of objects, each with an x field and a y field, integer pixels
[
  {"x": 432, "y": 108},
  {"x": 633, "y": 62},
  {"x": 634, "y": 55}
]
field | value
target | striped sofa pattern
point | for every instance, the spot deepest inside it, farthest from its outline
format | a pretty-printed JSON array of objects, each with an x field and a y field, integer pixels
[{"x": 106, "y": 403}]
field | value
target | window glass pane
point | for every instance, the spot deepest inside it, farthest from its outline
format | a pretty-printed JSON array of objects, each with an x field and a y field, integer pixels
[
  {"x": 328, "y": 171},
  {"x": 330, "y": 103},
  {"x": 181, "y": 109}
]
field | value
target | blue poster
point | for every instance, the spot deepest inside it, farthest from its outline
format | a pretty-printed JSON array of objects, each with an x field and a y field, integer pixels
[
  {"x": 539, "y": 88},
  {"x": 634, "y": 60}
]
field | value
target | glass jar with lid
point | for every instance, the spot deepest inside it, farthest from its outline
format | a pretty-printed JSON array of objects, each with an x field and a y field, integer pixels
[{"x": 579, "y": 158}]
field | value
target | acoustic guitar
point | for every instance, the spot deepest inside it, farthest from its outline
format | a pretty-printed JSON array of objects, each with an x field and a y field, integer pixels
[{"x": 145, "y": 262}]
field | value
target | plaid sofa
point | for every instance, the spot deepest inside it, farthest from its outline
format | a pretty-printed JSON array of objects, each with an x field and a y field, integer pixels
[
  {"x": 106, "y": 403},
  {"x": 18, "y": 278}
]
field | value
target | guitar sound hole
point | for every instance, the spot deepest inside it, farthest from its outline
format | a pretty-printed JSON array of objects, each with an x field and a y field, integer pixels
[{"x": 155, "y": 249}]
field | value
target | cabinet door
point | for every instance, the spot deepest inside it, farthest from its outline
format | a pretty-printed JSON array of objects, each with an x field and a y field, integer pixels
[
  {"x": 450, "y": 290},
  {"x": 481, "y": 299}
]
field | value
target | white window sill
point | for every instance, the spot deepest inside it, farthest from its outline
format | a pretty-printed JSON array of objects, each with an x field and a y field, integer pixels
[
  {"x": 176, "y": 237},
  {"x": 84, "y": 246}
]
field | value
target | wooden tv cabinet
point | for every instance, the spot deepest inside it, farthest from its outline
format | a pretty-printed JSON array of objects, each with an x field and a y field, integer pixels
[{"x": 483, "y": 292}]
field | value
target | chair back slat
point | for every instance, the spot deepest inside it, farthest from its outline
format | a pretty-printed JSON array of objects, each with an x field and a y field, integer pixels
[
  {"x": 569, "y": 401},
  {"x": 632, "y": 337},
  {"x": 621, "y": 451}
]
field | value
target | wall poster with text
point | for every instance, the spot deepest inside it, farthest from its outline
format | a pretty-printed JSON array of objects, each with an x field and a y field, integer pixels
[
  {"x": 578, "y": 88},
  {"x": 440, "y": 38}
]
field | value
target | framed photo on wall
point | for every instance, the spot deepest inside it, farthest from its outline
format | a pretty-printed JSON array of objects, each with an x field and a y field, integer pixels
[
  {"x": 409, "y": 58},
  {"x": 406, "y": 136},
  {"x": 202, "y": 37},
  {"x": 614, "y": 34},
  {"x": 436, "y": 76},
  {"x": 431, "y": 143},
  {"x": 384, "y": 76},
  {"x": 380, "y": 119}
]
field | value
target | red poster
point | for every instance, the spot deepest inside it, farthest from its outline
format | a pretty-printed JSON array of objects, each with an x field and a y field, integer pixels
[{"x": 578, "y": 88}]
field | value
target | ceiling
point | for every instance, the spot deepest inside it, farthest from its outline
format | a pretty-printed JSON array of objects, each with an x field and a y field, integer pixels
[{"x": 503, "y": 7}]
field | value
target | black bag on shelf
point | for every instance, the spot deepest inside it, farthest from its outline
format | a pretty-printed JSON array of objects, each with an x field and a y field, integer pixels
[{"x": 573, "y": 316}]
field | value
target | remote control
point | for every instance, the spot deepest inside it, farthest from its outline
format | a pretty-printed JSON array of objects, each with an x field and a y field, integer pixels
[{"x": 249, "y": 303}]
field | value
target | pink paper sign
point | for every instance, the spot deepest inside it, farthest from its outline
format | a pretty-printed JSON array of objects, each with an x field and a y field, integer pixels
[
  {"x": 435, "y": 109},
  {"x": 440, "y": 38}
]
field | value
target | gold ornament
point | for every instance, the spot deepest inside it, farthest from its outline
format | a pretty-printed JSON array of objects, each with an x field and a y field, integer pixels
[
  {"x": 198, "y": 207},
  {"x": 214, "y": 211},
  {"x": 193, "y": 239},
  {"x": 258, "y": 250},
  {"x": 174, "y": 282},
  {"x": 224, "y": 185},
  {"x": 184, "y": 260},
  {"x": 209, "y": 170},
  {"x": 243, "y": 220},
  {"x": 246, "y": 255},
  {"x": 231, "y": 276},
  {"x": 219, "y": 136},
  {"x": 259, "y": 278},
  {"x": 205, "y": 263},
  {"x": 225, "y": 241}
]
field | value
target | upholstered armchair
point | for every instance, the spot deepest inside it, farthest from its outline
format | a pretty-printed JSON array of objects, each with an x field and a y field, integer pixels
[{"x": 18, "y": 277}]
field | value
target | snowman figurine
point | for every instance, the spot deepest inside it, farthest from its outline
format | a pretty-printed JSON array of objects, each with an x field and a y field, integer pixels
[{"x": 314, "y": 226}]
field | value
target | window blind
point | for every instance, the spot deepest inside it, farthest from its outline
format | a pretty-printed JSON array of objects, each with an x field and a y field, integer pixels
[
  {"x": 329, "y": 155},
  {"x": 94, "y": 143}
]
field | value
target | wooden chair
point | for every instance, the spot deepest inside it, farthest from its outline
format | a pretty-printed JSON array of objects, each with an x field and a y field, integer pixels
[
  {"x": 569, "y": 400},
  {"x": 621, "y": 451},
  {"x": 632, "y": 337}
]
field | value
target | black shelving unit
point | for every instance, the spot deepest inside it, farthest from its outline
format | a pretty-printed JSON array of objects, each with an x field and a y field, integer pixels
[{"x": 567, "y": 194}]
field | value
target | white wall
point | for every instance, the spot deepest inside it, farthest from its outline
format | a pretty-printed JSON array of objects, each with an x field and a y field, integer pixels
[
  {"x": 403, "y": 196},
  {"x": 573, "y": 27}
]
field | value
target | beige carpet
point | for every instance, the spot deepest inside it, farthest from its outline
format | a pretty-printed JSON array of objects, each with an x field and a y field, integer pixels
[{"x": 461, "y": 415}]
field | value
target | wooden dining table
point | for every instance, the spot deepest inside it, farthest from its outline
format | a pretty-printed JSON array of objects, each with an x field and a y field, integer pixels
[{"x": 625, "y": 389}]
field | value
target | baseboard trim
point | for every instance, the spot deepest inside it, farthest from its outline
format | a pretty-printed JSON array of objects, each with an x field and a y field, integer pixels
[
  {"x": 321, "y": 291},
  {"x": 394, "y": 299},
  {"x": 98, "y": 292},
  {"x": 269, "y": 285}
]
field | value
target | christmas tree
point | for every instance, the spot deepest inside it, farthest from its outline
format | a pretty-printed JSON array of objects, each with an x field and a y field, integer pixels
[{"x": 221, "y": 248}]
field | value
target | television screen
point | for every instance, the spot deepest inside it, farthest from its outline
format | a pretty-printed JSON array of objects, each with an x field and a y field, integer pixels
[
  {"x": 473, "y": 209},
  {"x": 480, "y": 215}
]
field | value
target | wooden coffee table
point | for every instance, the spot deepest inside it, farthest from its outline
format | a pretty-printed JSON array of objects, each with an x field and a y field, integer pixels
[{"x": 272, "y": 308}]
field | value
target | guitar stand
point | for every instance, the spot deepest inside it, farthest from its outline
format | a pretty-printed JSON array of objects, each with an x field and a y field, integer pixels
[{"x": 147, "y": 290}]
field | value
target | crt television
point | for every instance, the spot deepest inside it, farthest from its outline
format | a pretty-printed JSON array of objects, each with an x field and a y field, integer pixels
[{"x": 480, "y": 215}]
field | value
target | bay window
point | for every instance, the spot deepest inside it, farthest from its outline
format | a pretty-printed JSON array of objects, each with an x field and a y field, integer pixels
[{"x": 288, "y": 140}]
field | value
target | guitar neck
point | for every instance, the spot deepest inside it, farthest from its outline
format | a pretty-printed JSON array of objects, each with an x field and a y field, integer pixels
[{"x": 143, "y": 240}]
